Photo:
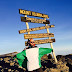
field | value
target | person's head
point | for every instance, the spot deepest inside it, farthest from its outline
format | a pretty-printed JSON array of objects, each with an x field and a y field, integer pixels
[{"x": 32, "y": 42}]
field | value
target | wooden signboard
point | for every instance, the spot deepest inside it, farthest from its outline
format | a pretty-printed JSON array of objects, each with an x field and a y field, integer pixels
[
  {"x": 42, "y": 41},
  {"x": 34, "y": 29},
  {"x": 43, "y": 35},
  {"x": 31, "y": 13},
  {"x": 34, "y": 20}
]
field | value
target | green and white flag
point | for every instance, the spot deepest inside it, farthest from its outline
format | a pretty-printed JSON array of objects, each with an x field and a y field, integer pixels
[{"x": 33, "y": 57}]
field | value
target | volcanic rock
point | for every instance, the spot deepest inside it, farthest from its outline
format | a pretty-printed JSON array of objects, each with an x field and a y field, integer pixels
[{"x": 64, "y": 64}]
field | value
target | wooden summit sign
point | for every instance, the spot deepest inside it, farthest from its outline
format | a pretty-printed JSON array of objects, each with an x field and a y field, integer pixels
[
  {"x": 31, "y": 13},
  {"x": 42, "y": 41},
  {"x": 34, "y": 29},
  {"x": 41, "y": 35},
  {"x": 28, "y": 36},
  {"x": 34, "y": 20}
]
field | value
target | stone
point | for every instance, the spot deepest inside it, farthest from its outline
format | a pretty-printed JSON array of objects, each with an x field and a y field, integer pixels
[{"x": 9, "y": 70}]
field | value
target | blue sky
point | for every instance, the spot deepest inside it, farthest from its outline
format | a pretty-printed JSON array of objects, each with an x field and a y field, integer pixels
[{"x": 60, "y": 14}]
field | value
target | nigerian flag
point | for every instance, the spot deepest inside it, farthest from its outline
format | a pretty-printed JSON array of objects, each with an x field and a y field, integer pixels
[{"x": 33, "y": 56}]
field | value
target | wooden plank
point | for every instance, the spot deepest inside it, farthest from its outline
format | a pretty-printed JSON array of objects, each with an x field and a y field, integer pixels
[
  {"x": 42, "y": 41},
  {"x": 31, "y": 13},
  {"x": 34, "y": 29},
  {"x": 34, "y": 20},
  {"x": 43, "y": 35}
]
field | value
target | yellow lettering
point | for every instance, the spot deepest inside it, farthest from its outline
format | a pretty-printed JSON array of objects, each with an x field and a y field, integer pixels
[
  {"x": 22, "y": 11},
  {"x": 40, "y": 20},
  {"x": 46, "y": 16},
  {"x": 32, "y": 20},
  {"x": 29, "y": 12},
  {"x": 33, "y": 13},
  {"x": 39, "y": 15},
  {"x": 25, "y": 12}
]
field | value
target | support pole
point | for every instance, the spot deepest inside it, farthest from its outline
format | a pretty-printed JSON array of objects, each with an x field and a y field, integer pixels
[
  {"x": 51, "y": 44},
  {"x": 27, "y": 25}
]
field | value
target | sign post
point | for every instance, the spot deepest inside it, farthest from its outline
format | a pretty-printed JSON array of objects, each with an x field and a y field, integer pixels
[
  {"x": 27, "y": 25},
  {"x": 51, "y": 44},
  {"x": 40, "y": 21}
]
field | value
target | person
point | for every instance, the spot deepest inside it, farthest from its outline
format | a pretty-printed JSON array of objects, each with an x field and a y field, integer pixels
[
  {"x": 31, "y": 44},
  {"x": 33, "y": 56}
]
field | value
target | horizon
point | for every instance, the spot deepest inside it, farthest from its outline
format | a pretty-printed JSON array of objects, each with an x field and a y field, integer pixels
[
  {"x": 60, "y": 15},
  {"x": 47, "y": 54}
]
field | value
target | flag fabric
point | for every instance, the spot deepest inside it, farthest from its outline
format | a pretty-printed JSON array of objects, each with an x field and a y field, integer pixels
[{"x": 33, "y": 57}]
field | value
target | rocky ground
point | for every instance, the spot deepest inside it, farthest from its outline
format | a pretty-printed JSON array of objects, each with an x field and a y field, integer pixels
[{"x": 8, "y": 64}]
